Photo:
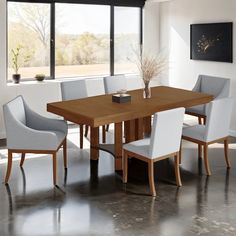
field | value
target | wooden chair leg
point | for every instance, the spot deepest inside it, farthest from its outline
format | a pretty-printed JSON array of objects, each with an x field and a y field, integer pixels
[
  {"x": 207, "y": 167},
  {"x": 204, "y": 120},
  {"x": 65, "y": 153},
  {"x": 81, "y": 136},
  {"x": 151, "y": 178},
  {"x": 199, "y": 120},
  {"x": 199, "y": 151},
  {"x": 125, "y": 167},
  {"x": 107, "y": 128},
  {"x": 9, "y": 166},
  {"x": 86, "y": 131},
  {"x": 104, "y": 134},
  {"x": 54, "y": 160},
  {"x": 177, "y": 171},
  {"x": 22, "y": 159},
  {"x": 226, "y": 150}
]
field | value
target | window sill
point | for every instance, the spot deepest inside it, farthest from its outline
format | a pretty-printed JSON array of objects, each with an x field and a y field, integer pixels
[
  {"x": 32, "y": 82},
  {"x": 57, "y": 81}
]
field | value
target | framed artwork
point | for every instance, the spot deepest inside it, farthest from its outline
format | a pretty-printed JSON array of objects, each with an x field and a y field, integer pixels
[{"x": 212, "y": 42}]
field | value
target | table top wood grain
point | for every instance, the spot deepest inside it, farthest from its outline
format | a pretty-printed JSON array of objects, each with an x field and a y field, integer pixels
[{"x": 100, "y": 110}]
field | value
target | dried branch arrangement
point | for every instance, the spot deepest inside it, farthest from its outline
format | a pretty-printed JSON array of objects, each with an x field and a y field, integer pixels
[{"x": 150, "y": 66}]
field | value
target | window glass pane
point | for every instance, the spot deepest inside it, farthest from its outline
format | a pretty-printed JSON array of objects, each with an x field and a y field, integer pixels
[
  {"x": 29, "y": 38},
  {"x": 127, "y": 39},
  {"x": 82, "y": 40}
]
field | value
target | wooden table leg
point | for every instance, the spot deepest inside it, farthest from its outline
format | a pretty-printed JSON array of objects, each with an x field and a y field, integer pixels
[
  {"x": 147, "y": 125},
  {"x": 139, "y": 129},
  {"x": 94, "y": 143},
  {"x": 129, "y": 131},
  {"x": 118, "y": 146}
]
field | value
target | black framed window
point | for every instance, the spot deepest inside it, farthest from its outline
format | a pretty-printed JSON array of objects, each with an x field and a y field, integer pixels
[
  {"x": 28, "y": 39},
  {"x": 72, "y": 39}
]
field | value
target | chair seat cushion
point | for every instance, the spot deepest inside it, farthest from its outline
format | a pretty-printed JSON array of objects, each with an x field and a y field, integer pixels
[
  {"x": 140, "y": 147},
  {"x": 195, "y": 132}
]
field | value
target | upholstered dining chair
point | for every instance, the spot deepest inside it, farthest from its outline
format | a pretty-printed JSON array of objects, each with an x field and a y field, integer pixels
[
  {"x": 163, "y": 143},
  {"x": 95, "y": 87},
  {"x": 75, "y": 89},
  {"x": 216, "y": 129},
  {"x": 28, "y": 132},
  {"x": 134, "y": 82},
  {"x": 216, "y": 86},
  {"x": 114, "y": 84}
]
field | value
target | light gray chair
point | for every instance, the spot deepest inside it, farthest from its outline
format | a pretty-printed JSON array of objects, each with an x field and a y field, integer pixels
[
  {"x": 216, "y": 86},
  {"x": 75, "y": 89},
  {"x": 216, "y": 128},
  {"x": 95, "y": 87},
  {"x": 134, "y": 82},
  {"x": 164, "y": 143},
  {"x": 115, "y": 83},
  {"x": 28, "y": 132}
]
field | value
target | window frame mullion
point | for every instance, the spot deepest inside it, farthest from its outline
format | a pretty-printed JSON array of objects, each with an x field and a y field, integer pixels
[
  {"x": 141, "y": 26},
  {"x": 112, "y": 42},
  {"x": 52, "y": 42}
]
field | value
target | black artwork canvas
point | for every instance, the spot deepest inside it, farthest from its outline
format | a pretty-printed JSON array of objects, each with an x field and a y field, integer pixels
[{"x": 212, "y": 42}]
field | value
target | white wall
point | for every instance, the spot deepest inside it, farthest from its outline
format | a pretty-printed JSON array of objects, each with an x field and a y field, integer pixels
[{"x": 176, "y": 17}]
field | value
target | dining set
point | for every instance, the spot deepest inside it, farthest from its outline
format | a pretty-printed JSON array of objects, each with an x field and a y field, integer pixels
[{"x": 149, "y": 129}]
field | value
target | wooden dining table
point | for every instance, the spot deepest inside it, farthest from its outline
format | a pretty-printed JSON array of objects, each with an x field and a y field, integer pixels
[{"x": 134, "y": 115}]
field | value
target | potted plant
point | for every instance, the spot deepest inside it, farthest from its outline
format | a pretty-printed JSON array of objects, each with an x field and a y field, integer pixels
[
  {"x": 40, "y": 77},
  {"x": 16, "y": 64}
]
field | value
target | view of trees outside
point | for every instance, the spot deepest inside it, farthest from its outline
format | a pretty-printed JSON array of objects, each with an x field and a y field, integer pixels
[
  {"x": 82, "y": 40},
  {"x": 29, "y": 30},
  {"x": 127, "y": 39}
]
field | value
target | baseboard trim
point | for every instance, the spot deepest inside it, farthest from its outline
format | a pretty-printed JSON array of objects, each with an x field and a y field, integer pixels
[{"x": 232, "y": 133}]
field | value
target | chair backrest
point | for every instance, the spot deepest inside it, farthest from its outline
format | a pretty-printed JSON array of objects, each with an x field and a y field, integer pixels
[
  {"x": 134, "y": 82},
  {"x": 95, "y": 87},
  {"x": 14, "y": 113},
  {"x": 115, "y": 83},
  {"x": 74, "y": 89},
  {"x": 166, "y": 132},
  {"x": 217, "y": 86},
  {"x": 218, "y": 119},
  {"x": 15, "y": 109}
]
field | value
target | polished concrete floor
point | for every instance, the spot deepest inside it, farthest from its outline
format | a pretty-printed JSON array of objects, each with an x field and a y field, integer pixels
[{"x": 91, "y": 200}]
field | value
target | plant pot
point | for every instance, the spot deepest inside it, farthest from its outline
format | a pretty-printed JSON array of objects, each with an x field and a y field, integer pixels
[
  {"x": 16, "y": 78},
  {"x": 40, "y": 78}
]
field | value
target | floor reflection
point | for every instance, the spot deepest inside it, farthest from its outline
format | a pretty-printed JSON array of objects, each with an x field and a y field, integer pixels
[
  {"x": 90, "y": 198},
  {"x": 52, "y": 214},
  {"x": 226, "y": 188}
]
